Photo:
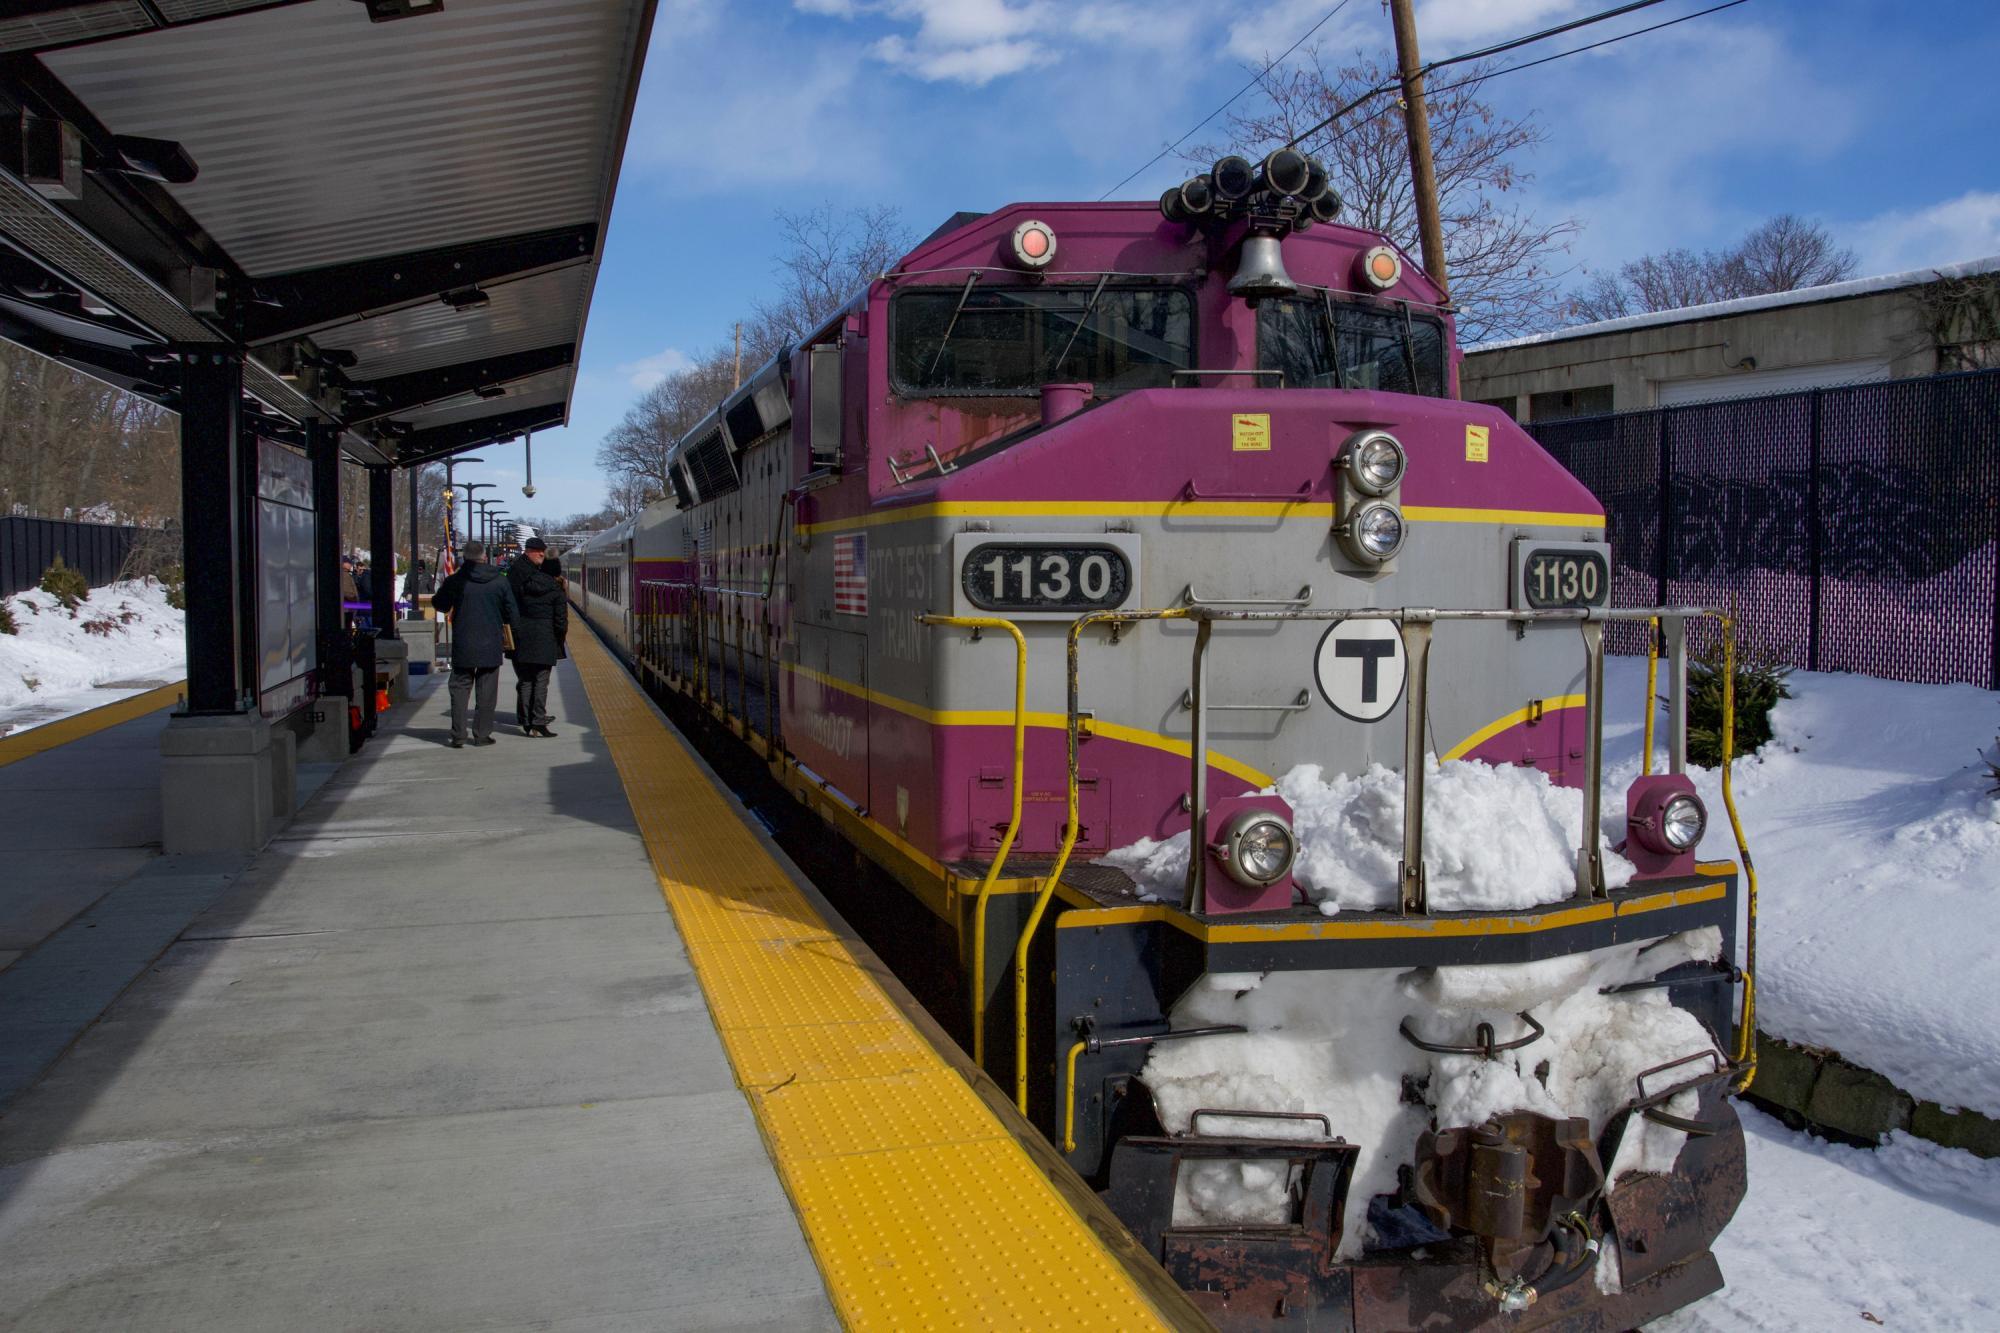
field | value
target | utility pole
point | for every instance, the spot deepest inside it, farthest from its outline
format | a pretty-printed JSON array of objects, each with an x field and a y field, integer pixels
[
  {"x": 1417, "y": 128},
  {"x": 739, "y": 356}
]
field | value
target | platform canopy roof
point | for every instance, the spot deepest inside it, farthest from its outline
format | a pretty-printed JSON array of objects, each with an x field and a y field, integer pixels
[{"x": 397, "y": 208}]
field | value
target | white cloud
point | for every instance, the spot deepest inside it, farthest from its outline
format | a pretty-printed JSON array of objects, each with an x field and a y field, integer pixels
[
  {"x": 746, "y": 106},
  {"x": 974, "y": 42},
  {"x": 1660, "y": 142},
  {"x": 978, "y": 64},
  {"x": 1948, "y": 232},
  {"x": 1446, "y": 27},
  {"x": 647, "y": 371}
]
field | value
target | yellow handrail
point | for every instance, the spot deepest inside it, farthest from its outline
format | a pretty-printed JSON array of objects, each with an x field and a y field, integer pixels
[
  {"x": 1071, "y": 816},
  {"x": 1746, "y": 1035},
  {"x": 1013, "y": 816},
  {"x": 1069, "y": 1100},
  {"x": 1652, "y": 692}
]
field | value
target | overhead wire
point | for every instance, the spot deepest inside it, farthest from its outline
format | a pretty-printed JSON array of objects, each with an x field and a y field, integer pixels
[
  {"x": 1390, "y": 85},
  {"x": 1257, "y": 79}
]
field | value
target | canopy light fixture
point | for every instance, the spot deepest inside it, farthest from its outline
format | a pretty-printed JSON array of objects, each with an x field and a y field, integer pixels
[
  {"x": 387, "y": 11},
  {"x": 154, "y": 159},
  {"x": 467, "y": 298},
  {"x": 491, "y": 391}
]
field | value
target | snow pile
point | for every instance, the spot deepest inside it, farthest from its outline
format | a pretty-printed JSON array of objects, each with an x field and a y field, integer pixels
[
  {"x": 122, "y": 631},
  {"x": 1495, "y": 839},
  {"x": 1878, "y": 857},
  {"x": 1832, "y": 1237},
  {"x": 1328, "y": 1042}
]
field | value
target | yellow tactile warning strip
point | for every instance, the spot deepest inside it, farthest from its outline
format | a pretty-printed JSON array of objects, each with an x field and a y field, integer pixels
[
  {"x": 35, "y": 740},
  {"x": 921, "y": 1208}
]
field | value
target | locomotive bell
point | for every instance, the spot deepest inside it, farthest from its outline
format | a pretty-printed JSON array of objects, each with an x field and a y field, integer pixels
[{"x": 1260, "y": 273}]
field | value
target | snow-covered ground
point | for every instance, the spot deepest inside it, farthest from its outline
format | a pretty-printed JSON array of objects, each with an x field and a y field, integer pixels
[
  {"x": 1830, "y": 1237},
  {"x": 1878, "y": 854},
  {"x": 55, "y": 662}
]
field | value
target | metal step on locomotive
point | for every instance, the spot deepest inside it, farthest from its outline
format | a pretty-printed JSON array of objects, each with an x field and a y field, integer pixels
[{"x": 1080, "y": 527}]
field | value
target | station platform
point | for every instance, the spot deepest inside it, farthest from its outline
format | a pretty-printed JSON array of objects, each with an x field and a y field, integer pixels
[{"x": 543, "y": 1034}]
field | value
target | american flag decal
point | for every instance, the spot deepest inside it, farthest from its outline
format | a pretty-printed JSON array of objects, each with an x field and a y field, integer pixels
[{"x": 850, "y": 574}]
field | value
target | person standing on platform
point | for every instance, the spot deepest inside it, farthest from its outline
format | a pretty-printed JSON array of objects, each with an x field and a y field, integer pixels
[
  {"x": 484, "y": 618},
  {"x": 538, "y": 645},
  {"x": 418, "y": 583}
]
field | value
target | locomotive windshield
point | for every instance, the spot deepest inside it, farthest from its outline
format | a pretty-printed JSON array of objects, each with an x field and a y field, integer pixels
[
  {"x": 1013, "y": 340},
  {"x": 1328, "y": 344}
]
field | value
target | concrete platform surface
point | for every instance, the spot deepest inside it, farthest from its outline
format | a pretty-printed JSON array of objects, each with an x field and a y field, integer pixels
[{"x": 434, "y": 1060}]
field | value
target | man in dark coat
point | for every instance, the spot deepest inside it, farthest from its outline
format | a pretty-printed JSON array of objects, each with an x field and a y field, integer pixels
[
  {"x": 538, "y": 642},
  {"x": 481, "y": 605},
  {"x": 416, "y": 583}
]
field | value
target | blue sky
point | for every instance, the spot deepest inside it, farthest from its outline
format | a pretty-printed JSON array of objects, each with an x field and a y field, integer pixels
[{"x": 1873, "y": 116}]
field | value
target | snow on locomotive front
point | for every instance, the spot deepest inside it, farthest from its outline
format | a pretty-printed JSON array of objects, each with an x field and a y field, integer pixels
[{"x": 1336, "y": 1056}]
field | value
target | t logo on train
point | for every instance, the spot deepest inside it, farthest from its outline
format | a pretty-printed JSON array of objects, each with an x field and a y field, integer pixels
[{"x": 1224, "y": 701}]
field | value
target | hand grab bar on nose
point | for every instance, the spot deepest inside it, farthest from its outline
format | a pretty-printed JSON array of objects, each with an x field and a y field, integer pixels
[
  {"x": 1298, "y": 705},
  {"x": 1190, "y": 597}
]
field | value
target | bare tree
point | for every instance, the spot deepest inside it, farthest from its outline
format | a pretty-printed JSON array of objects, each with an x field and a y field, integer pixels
[
  {"x": 1503, "y": 261},
  {"x": 1788, "y": 253},
  {"x": 1784, "y": 254},
  {"x": 70, "y": 444},
  {"x": 627, "y": 495},
  {"x": 635, "y": 451},
  {"x": 828, "y": 256}
]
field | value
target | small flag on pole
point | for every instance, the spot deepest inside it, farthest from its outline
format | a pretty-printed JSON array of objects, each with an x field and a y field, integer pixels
[{"x": 850, "y": 574}]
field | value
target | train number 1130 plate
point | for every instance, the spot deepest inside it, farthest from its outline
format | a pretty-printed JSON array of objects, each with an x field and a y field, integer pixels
[
  {"x": 1560, "y": 574},
  {"x": 1037, "y": 576}
]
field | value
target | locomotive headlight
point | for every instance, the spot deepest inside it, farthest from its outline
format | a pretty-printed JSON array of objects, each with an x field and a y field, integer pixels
[
  {"x": 1682, "y": 822},
  {"x": 1257, "y": 848},
  {"x": 1375, "y": 533},
  {"x": 1375, "y": 462}
]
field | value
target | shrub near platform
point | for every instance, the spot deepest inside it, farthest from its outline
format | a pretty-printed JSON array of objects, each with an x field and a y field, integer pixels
[
  {"x": 1760, "y": 683},
  {"x": 66, "y": 585}
]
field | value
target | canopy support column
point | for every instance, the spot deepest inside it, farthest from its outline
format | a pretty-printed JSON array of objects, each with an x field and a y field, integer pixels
[
  {"x": 220, "y": 774},
  {"x": 329, "y": 740},
  {"x": 216, "y": 546},
  {"x": 391, "y": 653}
]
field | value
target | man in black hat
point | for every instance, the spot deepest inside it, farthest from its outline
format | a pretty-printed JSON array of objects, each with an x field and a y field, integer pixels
[
  {"x": 538, "y": 639},
  {"x": 482, "y": 608}
]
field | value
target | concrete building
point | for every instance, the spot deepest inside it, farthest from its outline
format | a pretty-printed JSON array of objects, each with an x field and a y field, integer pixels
[{"x": 1917, "y": 323}]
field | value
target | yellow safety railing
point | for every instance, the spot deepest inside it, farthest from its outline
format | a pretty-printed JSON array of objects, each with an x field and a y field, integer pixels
[
  {"x": 1652, "y": 692},
  {"x": 1013, "y": 816},
  {"x": 1746, "y": 1034},
  {"x": 1746, "y": 1028},
  {"x": 1071, "y": 819},
  {"x": 1746, "y": 1040},
  {"x": 1069, "y": 1098}
]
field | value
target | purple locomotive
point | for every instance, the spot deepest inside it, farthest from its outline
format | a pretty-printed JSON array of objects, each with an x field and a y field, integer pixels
[{"x": 1079, "y": 492}]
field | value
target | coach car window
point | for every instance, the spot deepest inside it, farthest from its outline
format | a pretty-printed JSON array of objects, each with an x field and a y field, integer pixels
[
  {"x": 1013, "y": 340},
  {"x": 1372, "y": 347}
]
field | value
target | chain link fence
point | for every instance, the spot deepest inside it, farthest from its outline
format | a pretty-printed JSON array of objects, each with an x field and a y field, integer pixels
[{"x": 1850, "y": 528}]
